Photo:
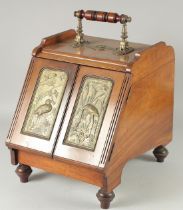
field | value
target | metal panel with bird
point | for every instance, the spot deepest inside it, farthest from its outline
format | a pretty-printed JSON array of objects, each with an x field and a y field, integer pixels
[
  {"x": 88, "y": 113},
  {"x": 45, "y": 103}
]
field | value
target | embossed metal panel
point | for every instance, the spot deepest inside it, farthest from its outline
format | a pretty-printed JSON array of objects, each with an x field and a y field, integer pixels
[
  {"x": 88, "y": 113},
  {"x": 44, "y": 106}
]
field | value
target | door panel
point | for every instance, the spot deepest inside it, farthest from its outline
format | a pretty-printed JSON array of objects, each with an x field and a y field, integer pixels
[
  {"x": 42, "y": 104},
  {"x": 90, "y": 115}
]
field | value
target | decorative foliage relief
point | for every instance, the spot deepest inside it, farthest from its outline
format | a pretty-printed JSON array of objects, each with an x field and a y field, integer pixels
[
  {"x": 45, "y": 103},
  {"x": 89, "y": 110}
]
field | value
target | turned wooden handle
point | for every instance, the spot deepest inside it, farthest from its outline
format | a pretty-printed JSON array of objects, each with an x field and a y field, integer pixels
[{"x": 101, "y": 16}]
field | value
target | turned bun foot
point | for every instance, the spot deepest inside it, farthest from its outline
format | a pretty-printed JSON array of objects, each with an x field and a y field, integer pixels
[
  {"x": 105, "y": 198},
  {"x": 160, "y": 153},
  {"x": 23, "y": 171}
]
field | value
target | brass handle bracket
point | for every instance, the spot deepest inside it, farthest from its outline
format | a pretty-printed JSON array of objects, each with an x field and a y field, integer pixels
[
  {"x": 101, "y": 16},
  {"x": 124, "y": 47},
  {"x": 79, "y": 39}
]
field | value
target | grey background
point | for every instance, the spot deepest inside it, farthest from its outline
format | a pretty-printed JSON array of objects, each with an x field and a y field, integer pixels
[{"x": 146, "y": 185}]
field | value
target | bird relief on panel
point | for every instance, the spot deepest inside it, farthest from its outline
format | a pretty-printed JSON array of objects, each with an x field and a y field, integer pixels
[
  {"x": 45, "y": 103},
  {"x": 88, "y": 113}
]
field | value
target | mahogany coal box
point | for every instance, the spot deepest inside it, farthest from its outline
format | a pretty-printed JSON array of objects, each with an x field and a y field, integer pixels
[{"x": 89, "y": 104}]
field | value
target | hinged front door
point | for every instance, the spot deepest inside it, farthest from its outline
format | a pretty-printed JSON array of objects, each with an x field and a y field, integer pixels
[
  {"x": 91, "y": 115},
  {"x": 42, "y": 105}
]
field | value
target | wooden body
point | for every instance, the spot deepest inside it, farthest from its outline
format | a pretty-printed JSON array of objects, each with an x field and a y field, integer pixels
[{"x": 143, "y": 118}]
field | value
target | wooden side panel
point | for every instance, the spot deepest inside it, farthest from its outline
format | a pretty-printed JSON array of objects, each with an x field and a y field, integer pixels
[
  {"x": 147, "y": 119},
  {"x": 151, "y": 59}
]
